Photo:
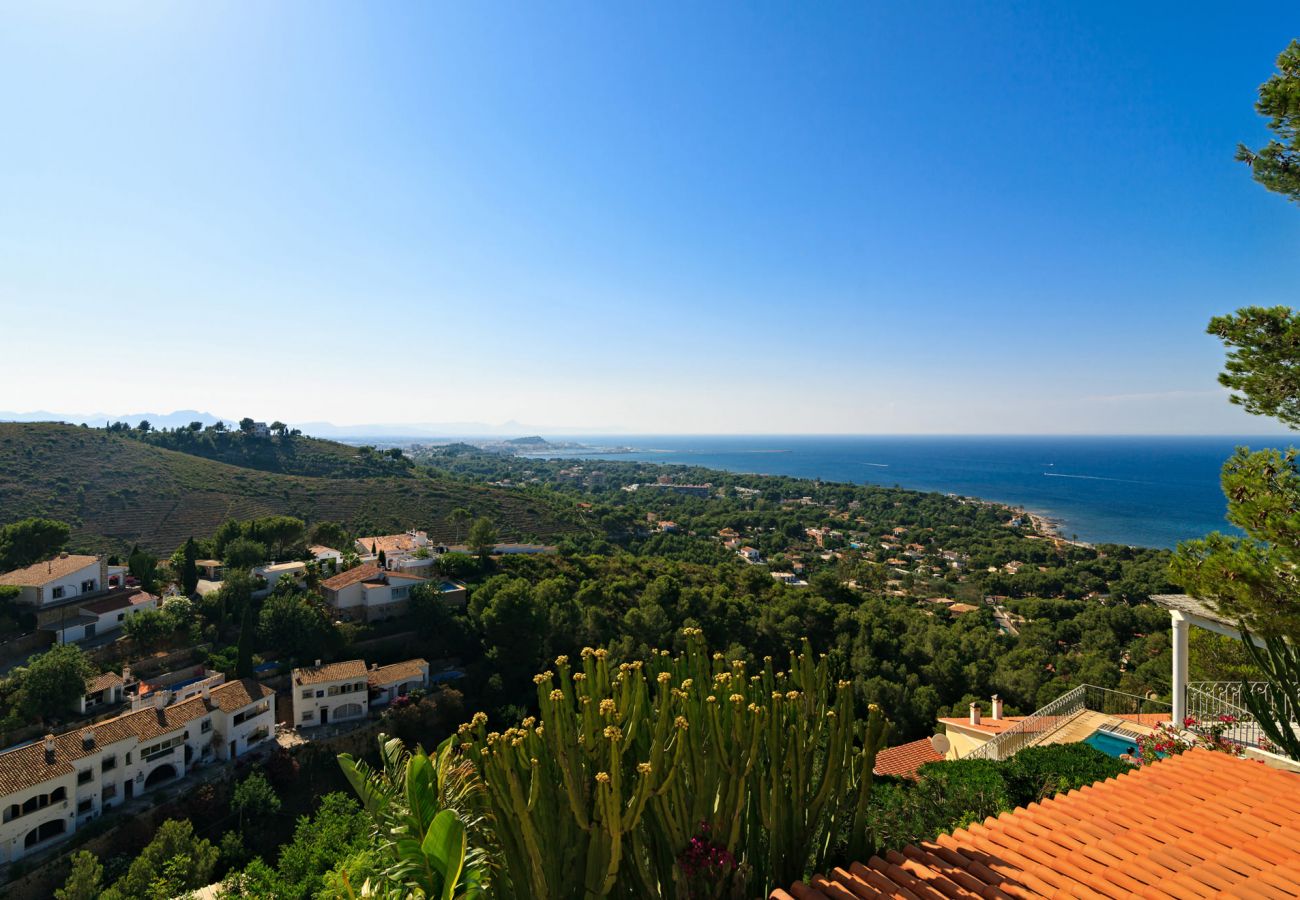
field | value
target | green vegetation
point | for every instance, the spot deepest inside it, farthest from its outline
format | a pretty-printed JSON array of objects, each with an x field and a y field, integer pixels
[
  {"x": 1277, "y": 164},
  {"x": 430, "y": 818},
  {"x": 626, "y": 765},
  {"x": 175, "y": 862},
  {"x": 30, "y": 541},
  {"x": 955, "y": 793},
  {"x": 1252, "y": 578},
  {"x": 311, "y": 864},
  {"x": 52, "y": 683},
  {"x": 117, "y": 491}
]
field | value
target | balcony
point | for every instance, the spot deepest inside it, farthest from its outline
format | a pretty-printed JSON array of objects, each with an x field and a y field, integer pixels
[{"x": 1216, "y": 701}]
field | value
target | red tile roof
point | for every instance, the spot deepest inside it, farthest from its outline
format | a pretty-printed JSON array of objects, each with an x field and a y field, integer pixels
[
  {"x": 358, "y": 573},
  {"x": 42, "y": 573},
  {"x": 905, "y": 759},
  {"x": 1197, "y": 825}
]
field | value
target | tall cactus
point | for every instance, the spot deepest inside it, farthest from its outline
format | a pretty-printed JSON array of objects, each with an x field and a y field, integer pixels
[{"x": 629, "y": 763}]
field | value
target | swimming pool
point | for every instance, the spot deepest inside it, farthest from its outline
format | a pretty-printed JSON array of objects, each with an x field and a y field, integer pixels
[{"x": 1111, "y": 744}]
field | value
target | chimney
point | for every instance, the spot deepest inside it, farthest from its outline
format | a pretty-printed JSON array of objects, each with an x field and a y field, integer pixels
[
  {"x": 997, "y": 708},
  {"x": 207, "y": 692},
  {"x": 974, "y": 713},
  {"x": 88, "y": 740},
  {"x": 49, "y": 749},
  {"x": 318, "y": 663},
  {"x": 374, "y": 667}
]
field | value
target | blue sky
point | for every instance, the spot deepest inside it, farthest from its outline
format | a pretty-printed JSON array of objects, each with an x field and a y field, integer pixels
[{"x": 865, "y": 217}]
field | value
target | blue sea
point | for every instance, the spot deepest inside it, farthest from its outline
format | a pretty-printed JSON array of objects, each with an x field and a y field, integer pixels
[{"x": 1145, "y": 491}]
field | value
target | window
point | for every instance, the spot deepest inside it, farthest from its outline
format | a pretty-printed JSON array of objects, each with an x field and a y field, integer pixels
[
  {"x": 128, "y": 757},
  {"x": 206, "y": 726},
  {"x": 85, "y": 806},
  {"x": 121, "y": 616},
  {"x": 57, "y": 593},
  {"x": 85, "y": 776},
  {"x": 109, "y": 764},
  {"x": 309, "y": 715},
  {"x": 110, "y": 791},
  {"x": 88, "y": 585},
  {"x": 306, "y": 695}
]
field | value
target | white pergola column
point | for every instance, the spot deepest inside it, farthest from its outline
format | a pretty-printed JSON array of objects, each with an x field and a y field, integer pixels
[{"x": 1180, "y": 626}]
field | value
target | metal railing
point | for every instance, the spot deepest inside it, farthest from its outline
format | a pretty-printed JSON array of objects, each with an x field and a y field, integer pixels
[
  {"x": 1209, "y": 702},
  {"x": 1034, "y": 728}
]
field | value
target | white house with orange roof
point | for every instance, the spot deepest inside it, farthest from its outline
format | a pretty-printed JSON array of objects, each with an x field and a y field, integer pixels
[
  {"x": 387, "y": 683},
  {"x": 50, "y": 788},
  {"x": 59, "y": 580},
  {"x": 334, "y": 692},
  {"x": 369, "y": 593},
  {"x": 408, "y": 551}
]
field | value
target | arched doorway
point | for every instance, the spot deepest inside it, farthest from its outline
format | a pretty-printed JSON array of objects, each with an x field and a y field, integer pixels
[
  {"x": 163, "y": 773},
  {"x": 348, "y": 711},
  {"x": 44, "y": 832}
]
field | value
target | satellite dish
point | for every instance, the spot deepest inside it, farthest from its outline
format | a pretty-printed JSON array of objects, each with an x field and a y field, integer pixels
[{"x": 941, "y": 744}]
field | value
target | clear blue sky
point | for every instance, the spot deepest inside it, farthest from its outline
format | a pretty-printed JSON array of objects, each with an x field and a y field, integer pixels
[{"x": 706, "y": 217}]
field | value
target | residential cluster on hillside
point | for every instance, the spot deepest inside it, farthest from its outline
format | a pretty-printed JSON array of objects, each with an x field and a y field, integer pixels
[{"x": 131, "y": 734}]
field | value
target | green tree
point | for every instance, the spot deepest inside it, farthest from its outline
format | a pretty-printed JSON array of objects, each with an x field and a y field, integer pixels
[
  {"x": 246, "y": 425},
  {"x": 1252, "y": 579},
  {"x": 243, "y": 553},
  {"x": 84, "y": 881},
  {"x": 331, "y": 534},
  {"x": 294, "y": 625},
  {"x": 1276, "y": 165},
  {"x": 457, "y": 518},
  {"x": 254, "y": 799},
  {"x": 190, "y": 571},
  {"x": 144, "y": 566},
  {"x": 30, "y": 541},
  {"x": 244, "y": 648},
  {"x": 282, "y": 532},
  {"x": 175, "y": 862},
  {"x": 55, "y": 681},
  {"x": 482, "y": 538}
]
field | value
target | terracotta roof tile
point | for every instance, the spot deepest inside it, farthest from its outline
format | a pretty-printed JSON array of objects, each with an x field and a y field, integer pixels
[
  {"x": 398, "y": 672},
  {"x": 103, "y": 682},
  {"x": 232, "y": 696},
  {"x": 905, "y": 759},
  {"x": 1197, "y": 825},
  {"x": 362, "y": 572},
  {"x": 42, "y": 573},
  {"x": 338, "y": 671}
]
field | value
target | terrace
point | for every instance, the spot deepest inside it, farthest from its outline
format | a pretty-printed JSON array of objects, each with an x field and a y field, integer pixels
[{"x": 1211, "y": 701}]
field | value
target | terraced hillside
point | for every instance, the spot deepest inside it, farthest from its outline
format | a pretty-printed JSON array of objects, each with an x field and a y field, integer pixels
[{"x": 116, "y": 491}]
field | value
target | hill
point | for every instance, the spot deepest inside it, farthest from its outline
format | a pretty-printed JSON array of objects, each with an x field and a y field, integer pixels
[
  {"x": 288, "y": 455},
  {"x": 116, "y": 491}
]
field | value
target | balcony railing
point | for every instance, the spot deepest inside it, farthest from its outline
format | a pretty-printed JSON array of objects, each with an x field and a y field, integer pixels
[
  {"x": 1036, "y": 728},
  {"x": 1212, "y": 701}
]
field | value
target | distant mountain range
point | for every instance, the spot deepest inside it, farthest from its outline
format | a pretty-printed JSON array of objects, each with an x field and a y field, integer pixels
[{"x": 183, "y": 417}]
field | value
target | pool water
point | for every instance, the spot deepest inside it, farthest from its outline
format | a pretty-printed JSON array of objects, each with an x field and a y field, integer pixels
[{"x": 1111, "y": 744}]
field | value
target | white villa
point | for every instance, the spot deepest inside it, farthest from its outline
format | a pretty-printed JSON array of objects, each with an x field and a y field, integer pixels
[
  {"x": 50, "y": 788},
  {"x": 368, "y": 592},
  {"x": 336, "y": 692},
  {"x": 345, "y": 691},
  {"x": 403, "y": 552},
  {"x": 387, "y": 683},
  {"x": 77, "y": 598},
  {"x": 59, "y": 580}
]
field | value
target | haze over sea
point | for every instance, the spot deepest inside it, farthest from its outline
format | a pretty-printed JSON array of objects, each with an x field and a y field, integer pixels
[{"x": 1146, "y": 491}]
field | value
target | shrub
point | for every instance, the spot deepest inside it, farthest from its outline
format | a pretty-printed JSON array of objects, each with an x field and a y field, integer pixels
[{"x": 1038, "y": 772}]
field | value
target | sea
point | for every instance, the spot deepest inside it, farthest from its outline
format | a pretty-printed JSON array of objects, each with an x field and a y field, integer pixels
[{"x": 1142, "y": 491}]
